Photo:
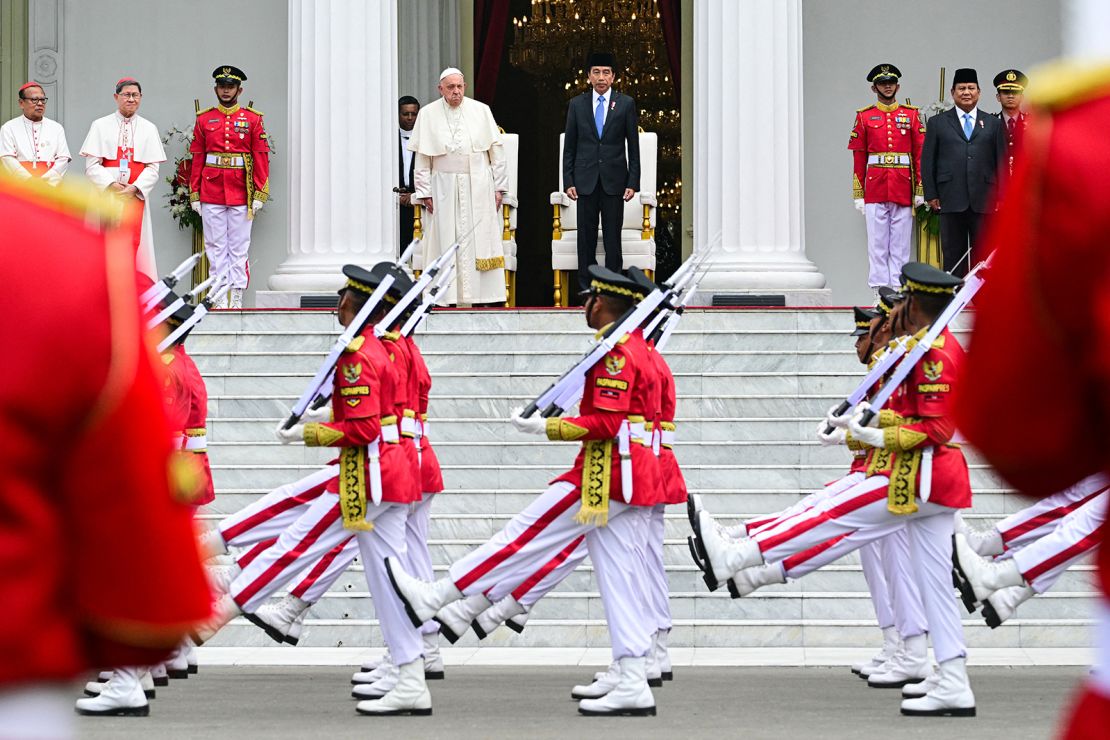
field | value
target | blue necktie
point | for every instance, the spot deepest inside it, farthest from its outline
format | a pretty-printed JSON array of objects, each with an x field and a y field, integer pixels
[
  {"x": 967, "y": 126},
  {"x": 599, "y": 115}
]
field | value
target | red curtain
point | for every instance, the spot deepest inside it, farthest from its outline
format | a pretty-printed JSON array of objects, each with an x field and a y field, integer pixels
[
  {"x": 670, "y": 17},
  {"x": 491, "y": 21}
]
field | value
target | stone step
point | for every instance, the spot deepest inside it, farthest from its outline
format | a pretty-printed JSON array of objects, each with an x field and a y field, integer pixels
[{"x": 685, "y": 633}]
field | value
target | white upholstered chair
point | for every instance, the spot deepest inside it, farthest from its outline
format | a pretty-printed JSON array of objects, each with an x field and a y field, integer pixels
[{"x": 637, "y": 230}]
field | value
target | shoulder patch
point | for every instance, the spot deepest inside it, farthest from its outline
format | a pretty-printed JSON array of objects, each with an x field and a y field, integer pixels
[{"x": 356, "y": 344}]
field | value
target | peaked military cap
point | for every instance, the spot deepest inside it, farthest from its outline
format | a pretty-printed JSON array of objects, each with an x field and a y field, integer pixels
[
  {"x": 965, "y": 74},
  {"x": 600, "y": 59},
  {"x": 604, "y": 281},
  {"x": 180, "y": 316},
  {"x": 918, "y": 277},
  {"x": 884, "y": 73},
  {"x": 863, "y": 318},
  {"x": 227, "y": 73},
  {"x": 1010, "y": 80},
  {"x": 366, "y": 281},
  {"x": 887, "y": 298}
]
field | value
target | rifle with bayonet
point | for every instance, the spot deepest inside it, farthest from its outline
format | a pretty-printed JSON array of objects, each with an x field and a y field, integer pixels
[
  {"x": 153, "y": 295},
  {"x": 199, "y": 313},
  {"x": 446, "y": 275}
]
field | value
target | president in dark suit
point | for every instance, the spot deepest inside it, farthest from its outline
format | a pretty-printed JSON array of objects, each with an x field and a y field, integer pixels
[
  {"x": 960, "y": 165},
  {"x": 601, "y": 124}
]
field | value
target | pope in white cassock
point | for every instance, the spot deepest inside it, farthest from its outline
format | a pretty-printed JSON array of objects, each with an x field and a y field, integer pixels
[
  {"x": 32, "y": 145},
  {"x": 459, "y": 178},
  {"x": 122, "y": 153}
]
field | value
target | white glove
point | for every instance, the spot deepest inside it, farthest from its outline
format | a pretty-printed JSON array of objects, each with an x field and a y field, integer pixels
[
  {"x": 858, "y": 202},
  {"x": 862, "y": 407},
  {"x": 837, "y": 437},
  {"x": 837, "y": 422},
  {"x": 288, "y": 436},
  {"x": 918, "y": 201},
  {"x": 256, "y": 206},
  {"x": 321, "y": 414},
  {"x": 532, "y": 425},
  {"x": 866, "y": 435},
  {"x": 195, "y": 205}
]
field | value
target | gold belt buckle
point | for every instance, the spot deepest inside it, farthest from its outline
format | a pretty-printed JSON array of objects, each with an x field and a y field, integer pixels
[
  {"x": 890, "y": 159},
  {"x": 225, "y": 160}
]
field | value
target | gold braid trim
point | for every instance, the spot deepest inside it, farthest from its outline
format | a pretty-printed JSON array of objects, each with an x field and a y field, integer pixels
[
  {"x": 888, "y": 418},
  {"x": 248, "y": 170},
  {"x": 485, "y": 264},
  {"x": 916, "y": 287},
  {"x": 352, "y": 489},
  {"x": 854, "y": 444},
  {"x": 902, "y": 439},
  {"x": 320, "y": 435},
  {"x": 857, "y": 187},
  {"x": 561, "y": 430},
  {"x": 902, "y": 494},
  {"x": 598, "y": 285},
  {"x": 596, "y": 476}
]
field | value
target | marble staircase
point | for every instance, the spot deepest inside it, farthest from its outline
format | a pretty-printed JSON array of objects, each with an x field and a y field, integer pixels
[{"x": 752, "y": 385}]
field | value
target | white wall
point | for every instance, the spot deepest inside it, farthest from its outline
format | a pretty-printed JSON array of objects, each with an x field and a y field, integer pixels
[
  {"x": 842, "y": 42},
  {"x": 172, "y": 48}
]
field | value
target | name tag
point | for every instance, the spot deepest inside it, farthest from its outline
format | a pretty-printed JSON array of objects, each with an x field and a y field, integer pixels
[{"x": 124, "y": 169}]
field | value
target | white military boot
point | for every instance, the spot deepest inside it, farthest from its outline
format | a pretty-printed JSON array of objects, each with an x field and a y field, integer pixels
[
  {"x": 236, "y": 298},
  {"x": 223, "y": 611},
  {"x": 891, "y": 642},
  {"x": 749, "y": 580},
  {"x": 297, "y": 629},
  {"x": 379, "y": 688},
  {"x": 190, "y": 652},
  {"x": 724, "y": 558},
  {"x": 914, "y": 690},
  {"x": 455, "y": 618},
  {"x": 374, "y": 669},
  {"x": 122, "y": 697},
  {"x": 516, "y": 624},
  {"x": 96, "y": 688},
  {"x": 375, "y": 662},
  {"x": 492, "y": 618},
  {"x": 221, "y": 576},
  {"x": 276, "y": 620},
  {"x": 409, "y": 696},
  {"x": 909, "y": 665},
  {"x": 652, "y": 670},
  {"x": 158, "y": 673},
  {"x": 212, "y": 543},
  {"x": 1002, "y": 604},
  {"x": 985, "y": 576},
  {"x": 662, "y": 654},
  {"x": 103, "y": 677},
  {"x": 604, "y": 682},
  {"x": 693, "y": 508},
  {"x": 433, "y": 659},
  {"x": 952, "y": 696},
  {"x": 631, "y": 696},
  {"x": 421, "y": 599},
  {"x": 986, "y": 542},
  {"x": 177, "y": 666}
]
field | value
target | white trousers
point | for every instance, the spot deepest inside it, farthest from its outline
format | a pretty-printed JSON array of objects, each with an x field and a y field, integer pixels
[
  {"x": 871, "y": 560},
  {"x": 418, "y": 559},
  {"x": 227, "y": 239},
  {"x": 269, "y": 516},
  {"x": 1041, "y": 563},
  {"x": 37, "y": 712},
  {"x": 903, "y": 588},
  {"x": 889, "y": 235},
  {"x": 318, "y": 579},
  {"x": 658, "y": 589},
  {"x": 547, "y": 526},
  {"x": 1042, "y": 516},
  {"x": 808, "y": 502},
  {"x": 862, "y": 509},
  {"x": 552, "y": 573}
]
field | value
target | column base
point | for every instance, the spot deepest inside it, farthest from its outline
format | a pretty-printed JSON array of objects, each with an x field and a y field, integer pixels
[
  {"x": 772, "y": 274},
  {"x": 292, "y": 299}
]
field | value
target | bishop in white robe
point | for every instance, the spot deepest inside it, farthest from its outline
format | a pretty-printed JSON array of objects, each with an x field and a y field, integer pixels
[
  {"x": 33, "y": 145},
  {"x": 122, "y": 152},
  {"x": 459, "y": 178}
]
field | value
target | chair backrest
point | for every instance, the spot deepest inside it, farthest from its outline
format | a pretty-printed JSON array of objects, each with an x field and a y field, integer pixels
[
  {"x": 511, "y": 146},
  {"x": 649, "y": 146}
]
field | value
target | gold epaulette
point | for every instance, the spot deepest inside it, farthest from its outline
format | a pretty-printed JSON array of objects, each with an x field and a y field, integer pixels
[
  {"x": 866, "y": 107},
  {"x": 356, "y": 344},
  {"x": 254, "y": 111},
  {"x": 205, "y": 110},
  {"x": 911, "y": 107},
  {"x": 1061, "y": 85}
]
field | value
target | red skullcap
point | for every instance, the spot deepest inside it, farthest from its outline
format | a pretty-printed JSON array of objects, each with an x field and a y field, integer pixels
[
  {"x": 122, "y": 80},
  {"x": 26, "y": 85}
]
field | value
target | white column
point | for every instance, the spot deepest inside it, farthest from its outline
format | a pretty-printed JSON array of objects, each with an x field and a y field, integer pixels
[
  {"x": 342, "y": 142},
  {"x": 427, "y": 43},
  {"x": 748, "y": 149},
  {"x": 1085, "y": 29}
]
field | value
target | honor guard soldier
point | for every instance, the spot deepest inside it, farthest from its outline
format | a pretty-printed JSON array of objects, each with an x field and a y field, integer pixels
[
  {"x": 886, "y": 145},
  {"x": 230, "y": 178},
  {"x": 1009, "y": 85}
]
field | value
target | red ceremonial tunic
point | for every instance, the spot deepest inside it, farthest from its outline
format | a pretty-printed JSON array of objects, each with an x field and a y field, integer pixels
[
  {"x": 923, "y": 405},
  {"x": 671, "y": 481},
  {"x": 1044, "y": 311},
  {"x": 622, "y": 386},
  {"x": 186, "y": 400},
  {"x": 431, "y": 477},
  {"x": 408, "y": 419},
  {"x": 196, "y": 425},
  {"x": 365, "y": 400},
  {"x": 235, "y": 141},
  {"x": 893, "y": 134},
  {"x": 84, "y": 467}
]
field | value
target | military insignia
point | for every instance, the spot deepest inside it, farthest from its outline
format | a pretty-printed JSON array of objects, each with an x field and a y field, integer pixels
[
  {"x": 352, "y": 402},
  {"x": 227, "y": 70},
  {"x": 1010, "y": 76},
  {"x": 614, "y": 365},
  {"x": 885, "y": 69},
  {"x": 933, "y": 370},
  {"x": 352, "y": 372}
]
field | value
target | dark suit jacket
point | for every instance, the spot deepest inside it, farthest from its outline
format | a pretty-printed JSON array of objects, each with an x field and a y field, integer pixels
[
  {"x": 962, "y": 173},
  {"x": 588, "y": 159}
]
